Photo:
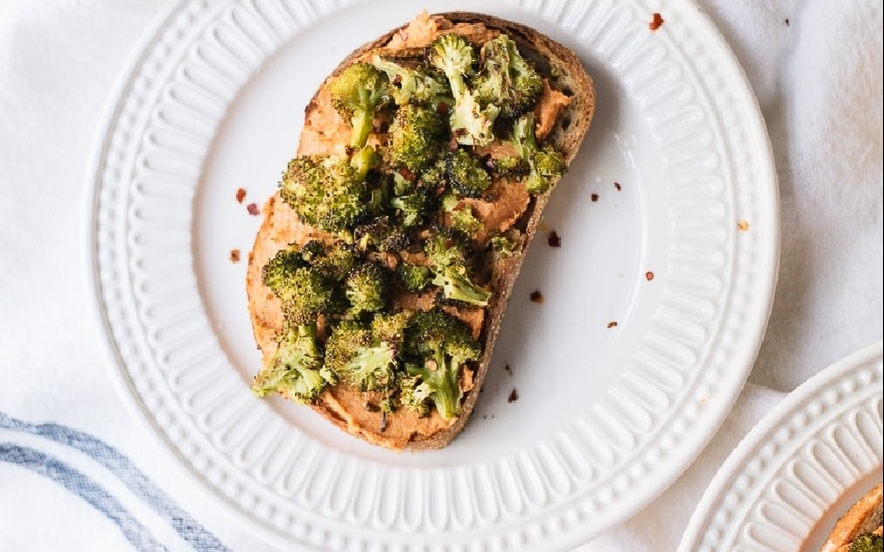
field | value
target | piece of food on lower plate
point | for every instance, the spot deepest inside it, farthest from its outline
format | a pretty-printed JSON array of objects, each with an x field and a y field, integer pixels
[
  {"x": 859, "y": 529},
  {"x": 380, "y": 275}
]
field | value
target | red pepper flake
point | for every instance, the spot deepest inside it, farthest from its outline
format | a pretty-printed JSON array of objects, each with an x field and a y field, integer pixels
[
  {"x": 649, "y": 275},
  {"x": 612, "y": 324},
  {"x": 594, "y": 197},
  {"x": 554, "y": 239},
  {"x": 514, "y": 396},
  {"x": 240, "y": 195},
  {"x": 743, "y": 225},
  {"x": 617, "y": 186},
  {"x": 656, "y": 22},
  {"x": 253, "y": 209},
  {"x": 536, "y": 297},
  {"x": 407, "y": 174},
  {"x": 234, "y": 255}
]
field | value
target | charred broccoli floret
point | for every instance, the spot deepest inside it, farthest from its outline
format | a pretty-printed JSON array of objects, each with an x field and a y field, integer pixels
[
  {"x": 450, "y": 257},
  {"x": 418, "y": 85},
  {"x": 437, "y": 345},
  {"x": 353, "y": 354},
  {"x": 383, "y": 234},
  {"x": 868, "y": 542},
  {"x": 305, "y": 291},
  {"x": 413, "y": 208},
  {"x": 456, "y": 286},
  {"x": 506, "y": 80},
  {"x": 418, "y": 134},
  {"x": 435, "y": 176},
  {"x": 327, "y": 192},
  {"x": 446, "y": 247},
  {"x": 470, "y": 122},
  {"x": 460, "y": 214},
  {"x": 466, "y": 174},
  {"x": 335, "y": 260},
  {"x": 368, "y": 288},
  {"x": 546, "y": 165},
  {"x": 413, "y": 395},
  {"x": 415, "y": 278},
  {"x": 296, "y": 369},
  {"x": 390, "y": 327},
  {"x": 366, "y": 354},
  {"x": 504, "y": 246},
  {"x": 356, "y": 94}
]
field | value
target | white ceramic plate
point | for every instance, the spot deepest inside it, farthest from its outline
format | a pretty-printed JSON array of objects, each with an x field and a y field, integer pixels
[
  {"x": 800, "y": 468},
  {"x": 668, "y": 220}
]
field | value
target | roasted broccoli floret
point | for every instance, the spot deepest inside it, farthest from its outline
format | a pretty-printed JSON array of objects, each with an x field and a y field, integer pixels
[
  {"x": 356, "y": 94},
  {"x": 335, "y": 260},
  {"x": 868, "y": 542},
  {"x": 460, "y": 214},
  {"x": 446, "y": 247},
  {"x": 415, "y": 278},
  {"x": 506, "y": 80},
  {"x": 456, "y": 286},
  {"x": 383, "y": 234},
  {"x": 466, "y": 174},
  {"x": 418, "y": 85},
  {"x": 305, "y": 291},
  {"x": 413, "y": 208},
  {"x": 546, "y": 165},
  {"x": 503, "y": 246},
  {"x": 470, "y": 122},
  {"x": 414, "y": 395},
  {"x": 327, "y": 192},
  {"x": 390, "y": 327},
  {"x": 296, "y": 369},
  {"x": 450, "y": 257},
  {"x": 418, "y": 135},
  {"x": 368, "y": 287},
  {"x": 435, "y": 176},
  {"x": 366, "y": 354},
  {"x": 510, "y": 166},
  {"x": 281, "y": 267},
  {"x": 437, "y": 345},
  {"x": 357, "y": 358}
]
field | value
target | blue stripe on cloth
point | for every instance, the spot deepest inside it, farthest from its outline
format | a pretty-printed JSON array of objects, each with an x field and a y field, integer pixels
[
  {"x": 128, "y": 473},
  {"x": 79, "y": 484}
]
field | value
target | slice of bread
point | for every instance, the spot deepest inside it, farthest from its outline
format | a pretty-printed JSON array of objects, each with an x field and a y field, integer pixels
[
  {"x": 863, "y": 518},
  {"x": 563, "y": 126}
]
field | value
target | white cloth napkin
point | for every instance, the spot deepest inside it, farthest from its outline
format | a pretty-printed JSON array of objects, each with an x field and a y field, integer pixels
[{"x": 76, "y": 471}]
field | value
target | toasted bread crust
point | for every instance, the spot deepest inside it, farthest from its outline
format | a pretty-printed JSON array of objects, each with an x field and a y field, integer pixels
[
  {"x": 344, "y": 407},
  {"x": 863, "y": 517}
]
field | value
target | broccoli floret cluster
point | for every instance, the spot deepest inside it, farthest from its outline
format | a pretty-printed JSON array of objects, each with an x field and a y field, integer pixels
[
  {"x": 868, "y": 542},
  {"x": 437, "y": 345},
  {"x": 399, "y": 209},
  {"x": 332, "y": 193},
  {"x": 357, "y": 93},
  {"x": 545, "y": 165},
  {"x": 296, "y": 370}
]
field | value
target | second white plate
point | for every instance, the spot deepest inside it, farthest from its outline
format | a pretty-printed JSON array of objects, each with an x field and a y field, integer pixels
[{"x": 800, "y": 468}]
